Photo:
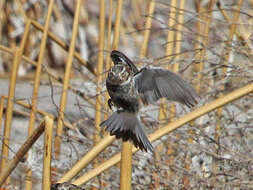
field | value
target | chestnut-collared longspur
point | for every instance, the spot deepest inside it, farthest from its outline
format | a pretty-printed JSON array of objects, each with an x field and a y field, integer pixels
[{"x": 128, "y": 87}]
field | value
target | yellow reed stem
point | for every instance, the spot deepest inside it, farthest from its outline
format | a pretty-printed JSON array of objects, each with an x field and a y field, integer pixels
[
  {"x": 28, "y": 183},
  {"x": 21, "y": 152},
  {"x": 117, "y": 25},
  {"x": 20, "y": 10},
  {"x": 2, "y": 18},
  {"x": 226, "y": 57},
  {"x": 46, "y": 179},
  {"x": 99, "y": 169},
  {"x": 169, "y": 50},
  {"x": 59, "y": 130},
  {"x": 115, "y": 36},
  {"x": 175, "y": 67},
  {"x": 59, "y": 79},
  {"x": 109, "y": 33},
  {"x": 108, "y": 57},
  {"x": 1, "y": 112},
  {"x": 126, "y": 161},
  {"x": 136, "y": 13},
  {"x": 10, "y": 102},
  {"x": 148, "y": 24},
  {"x": 203, "y": 26},
  {"x": 130, "y": 27},
  {"x": 224, "y": 71},
  {"x": 236, "y": 94},
  {"x": 205, "y": 18},
  {"x": 8, "y": 117},
  {"x": 28, "y": 60},
  {"x": 199, "y": 39},
  {"x": 229, "y": 41},
  {"x": 10, "y": 27},
  {"x": 96, "y": 135},
  {"x": 10, "y": 51},
  {"x": 179, "y": 28},
  {"x": 107, "y": 67},
  {"x": 19, "y": 112},
  {"x": 62, "y": 44},
  {"x": 237, "y": 33},
  {"x": 126, "y": 166},
  {"x": 123, "y": 38},
  {"x": 57, "y": 13},
  {"x": 179, "y": 32},
  {"x": 28, "y": 106},
  {"x": 99, "y": 70},
  {"x": 87, "y": 158}
]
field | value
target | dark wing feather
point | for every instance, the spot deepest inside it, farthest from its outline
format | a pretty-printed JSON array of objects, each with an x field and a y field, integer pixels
[
  {"x": 118, "y": 57},
  {"x": 155, "y": 83}
]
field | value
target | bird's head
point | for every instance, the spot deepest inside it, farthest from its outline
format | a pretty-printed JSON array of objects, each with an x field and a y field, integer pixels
[
  {"x": 120, "y": 58},
  {"x": 119, "y": 74}
]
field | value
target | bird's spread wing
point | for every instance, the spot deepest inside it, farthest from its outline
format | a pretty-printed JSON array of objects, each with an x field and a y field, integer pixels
[{"x": 155, "y": 83}]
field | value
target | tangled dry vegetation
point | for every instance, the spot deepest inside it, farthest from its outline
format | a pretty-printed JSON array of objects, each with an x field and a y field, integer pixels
[{"x": 208, "y": 42}]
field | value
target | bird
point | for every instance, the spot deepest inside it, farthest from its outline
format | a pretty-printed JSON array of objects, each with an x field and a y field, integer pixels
[{"x": 129, "y": 88}]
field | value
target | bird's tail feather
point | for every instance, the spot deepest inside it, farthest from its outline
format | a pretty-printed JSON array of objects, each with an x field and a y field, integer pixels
[{"x": 127, "y": 126}]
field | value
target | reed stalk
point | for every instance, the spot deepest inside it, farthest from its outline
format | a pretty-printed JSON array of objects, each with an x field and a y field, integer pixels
[
  {"x": 221, "y": 101},
  {"x": 117, "y": 25},
  {"x": 28, "y": 182},
  {"x": 87, "y": 158},
  {"x": 62, "y": 44},
  {"x": 9, "y": 109},
  {"x": 21, "y": 152},
  {"x": 64, "y": 93},
  {"x": 227, "y": 54},
  {"x": 98, "y": 109},
  {"x": 203, "y": 28},
  {"x": 107, "y": 67},
  {"x": 126, "y": 156},
  {"x": 169, "y": 50},
  {"x": 48, "y": 137},
  {"x": 2, "y": 100},
  {"x": 163, "y": 106}
]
